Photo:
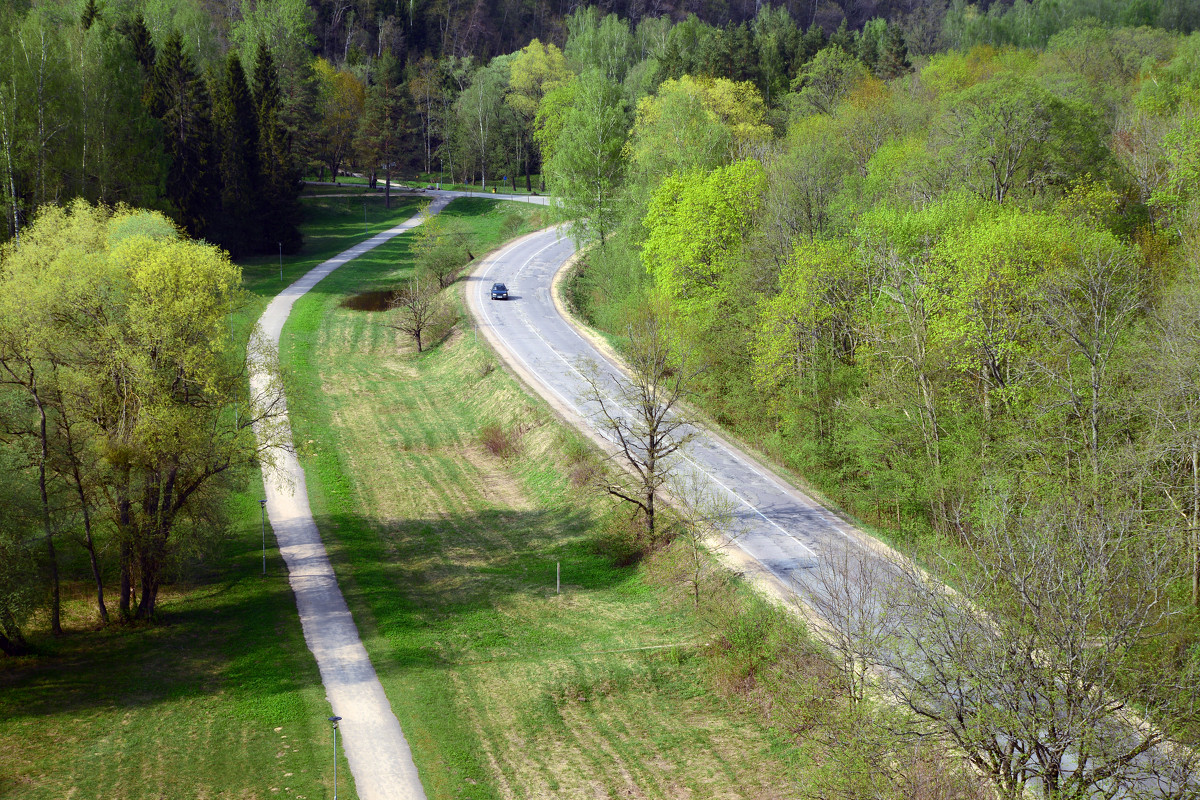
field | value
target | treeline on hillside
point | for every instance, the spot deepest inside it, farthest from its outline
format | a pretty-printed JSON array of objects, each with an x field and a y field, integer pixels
[
  {"x": 129, "y": 101},
  {"x": 979, "y": 274},
  {"x": 92, "y": 107}
]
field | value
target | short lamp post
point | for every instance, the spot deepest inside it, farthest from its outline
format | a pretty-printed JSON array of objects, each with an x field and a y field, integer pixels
[
  {"x": 263, "y": 505},
  {"x": 335, "y": 721}
]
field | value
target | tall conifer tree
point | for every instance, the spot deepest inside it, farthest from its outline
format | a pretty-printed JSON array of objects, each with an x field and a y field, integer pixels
[
  {"x": 236, "y": 126},
  {"x": 181, "y": 102},
  {"x": 279, "y": 180}
]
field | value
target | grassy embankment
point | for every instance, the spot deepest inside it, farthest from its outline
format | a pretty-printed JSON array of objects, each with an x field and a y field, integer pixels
[
  {"x": 221, "y": 698},
  {"x": 446, "y": 553}
]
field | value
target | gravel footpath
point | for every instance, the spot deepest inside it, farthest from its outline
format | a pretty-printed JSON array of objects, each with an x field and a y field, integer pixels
[{"x": 379, "y": 756}]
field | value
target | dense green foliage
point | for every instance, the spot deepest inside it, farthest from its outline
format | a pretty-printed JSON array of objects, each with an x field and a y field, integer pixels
[
  {"x": 938, "y": 292},
  {"x": 139, "y": 102},
  {"x": 926, "y": 285},
  {"x": 128, "y": 407}
]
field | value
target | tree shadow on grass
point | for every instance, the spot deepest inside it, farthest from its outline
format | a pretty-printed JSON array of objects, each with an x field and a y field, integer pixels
[
  {"x": 425, "y": 579},
  {"x": 224, "y": 638}
]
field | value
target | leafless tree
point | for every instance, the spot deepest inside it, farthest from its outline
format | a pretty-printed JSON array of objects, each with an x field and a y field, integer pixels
[
  {"x": 641, "y": 413},
  {"x": 706, "y": 525},
  {"x": 1173, "y": 400},
  {"x": 415, "y": 309},
  {"x": 1024, "y": 668},
  {"x": 847, "y": 592}
]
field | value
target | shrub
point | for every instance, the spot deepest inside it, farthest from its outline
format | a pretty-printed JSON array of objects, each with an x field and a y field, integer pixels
[{"x": 499, "y": 441}]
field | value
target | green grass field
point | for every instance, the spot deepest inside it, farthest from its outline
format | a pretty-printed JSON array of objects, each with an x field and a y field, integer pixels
[
  {"x": 220, "y": 699},
  {"x": 447, "y": 556}
]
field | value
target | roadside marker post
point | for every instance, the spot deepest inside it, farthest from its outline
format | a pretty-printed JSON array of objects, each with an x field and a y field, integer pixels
[{"x": 335, "y": 721}]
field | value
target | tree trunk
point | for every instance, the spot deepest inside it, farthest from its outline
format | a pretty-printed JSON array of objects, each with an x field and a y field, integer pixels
[
  {"x": 149, "y": 585},
  {"x": 7, "y": 125},
  {"x": 387, "y": 186},
  {"x": 47, "y": 524},
  {"x": 12, "y": 643},
  {"x": 1195, "y": 525},
  {"x": 89, "y": 543},
  {"x": 85, "y": 509},
  {"x": 126, "y": 559}
]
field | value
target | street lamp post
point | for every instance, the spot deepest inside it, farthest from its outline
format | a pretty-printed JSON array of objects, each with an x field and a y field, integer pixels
[
  {"x": 263, "y": 505},
  {"x": 281, "y": 261},
  {"x": 335, "y": 721}
]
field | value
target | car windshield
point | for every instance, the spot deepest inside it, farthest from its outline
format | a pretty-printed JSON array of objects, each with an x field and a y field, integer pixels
[{"x": 498, "y": 287}]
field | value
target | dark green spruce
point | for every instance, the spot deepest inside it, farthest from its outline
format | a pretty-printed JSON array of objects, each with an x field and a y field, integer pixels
[{"x": 180, "y": 101}]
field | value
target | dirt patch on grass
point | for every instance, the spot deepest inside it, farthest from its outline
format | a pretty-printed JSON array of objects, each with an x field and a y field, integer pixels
[
  {"x": 496, "y": 483},
  {"x": 370, "y": 301}
]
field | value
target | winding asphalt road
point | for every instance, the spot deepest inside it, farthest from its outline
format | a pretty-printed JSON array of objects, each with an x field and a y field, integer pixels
[{"x": 782, "y": 529}]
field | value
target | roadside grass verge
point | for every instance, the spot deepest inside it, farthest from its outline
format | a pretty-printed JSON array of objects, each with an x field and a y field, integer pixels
[{"x": 447, "y": 555}]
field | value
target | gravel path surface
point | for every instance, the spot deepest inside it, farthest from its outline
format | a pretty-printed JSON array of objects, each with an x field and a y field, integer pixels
[{"x": 379, "y": 756}]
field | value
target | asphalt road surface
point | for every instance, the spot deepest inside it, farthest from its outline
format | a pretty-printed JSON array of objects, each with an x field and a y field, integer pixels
[{"x": 780, "y": 527}]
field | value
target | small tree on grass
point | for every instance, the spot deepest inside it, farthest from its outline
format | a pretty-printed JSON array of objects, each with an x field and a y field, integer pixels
[
  {"x": 415, "y": 309},
  {"x": 442, "y": 250},
  {"x": 641, "y": 414},
  {"x": 706, "y": 525}
]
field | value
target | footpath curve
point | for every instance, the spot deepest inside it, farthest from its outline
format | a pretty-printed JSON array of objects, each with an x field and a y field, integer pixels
[
  {"x": 379, "y": 756},
  {"x": 375, "y": 747}
]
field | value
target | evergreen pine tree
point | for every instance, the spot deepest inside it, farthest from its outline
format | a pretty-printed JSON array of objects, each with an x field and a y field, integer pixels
[
  {"x": 180, "y": 101},
  {"x": 743, "y": 57},
  {"x": 893, "y": 61},
  {"x": 386, "y": 123},
  {"x": 843, "y": 38},
  {"x": 138, "y": 34},
  {"x": 671, "y": 61},
  {"x": 236, "y": 127},
  {"x": 812, "y": 42},
  {"x": 279, "y": 180}
]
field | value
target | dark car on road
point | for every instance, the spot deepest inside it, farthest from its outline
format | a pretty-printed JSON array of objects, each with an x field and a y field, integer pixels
[{"x": 499, "y": 291}]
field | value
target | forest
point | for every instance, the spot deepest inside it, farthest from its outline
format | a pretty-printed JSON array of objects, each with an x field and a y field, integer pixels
[{"x": 939, "y": 260}]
